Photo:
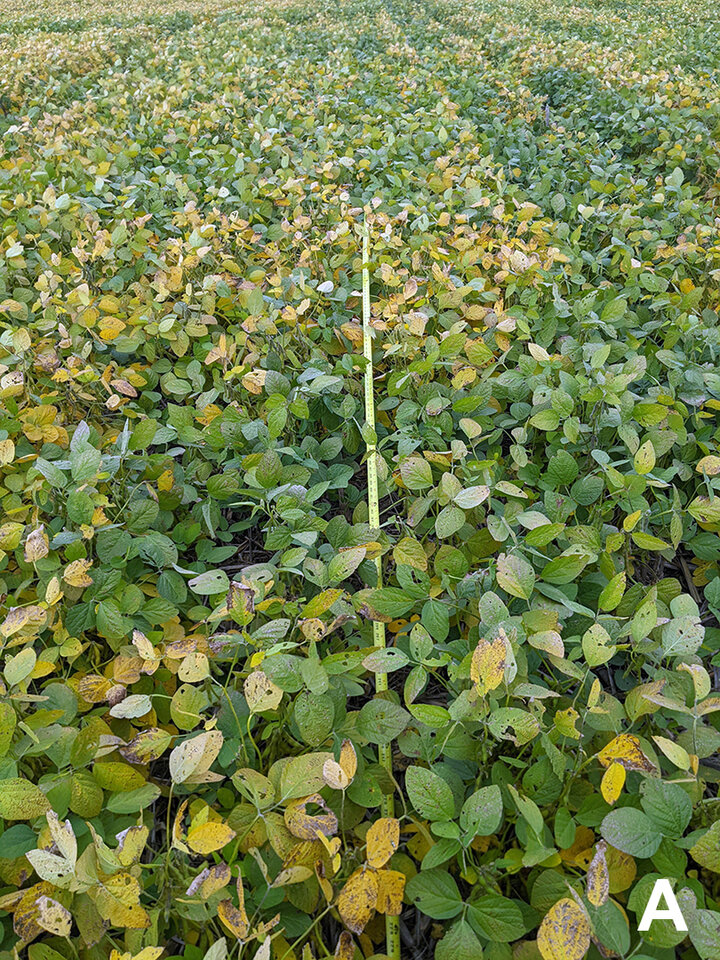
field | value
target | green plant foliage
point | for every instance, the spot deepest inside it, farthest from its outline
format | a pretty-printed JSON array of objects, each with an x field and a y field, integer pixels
[{"x": 189, "y": 714}]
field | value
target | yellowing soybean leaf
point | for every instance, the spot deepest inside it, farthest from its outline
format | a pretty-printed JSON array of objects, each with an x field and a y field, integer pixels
[
  {"x": 321, "y": 603},
  {"x": 644, "y": 459},
  {"x": 76, "y": 573},
  {"x": 709, "y": 465},
  {"x": 564, "y": 933},
  {"x": 261, "y": 693},
  {"x": 598, "y": 877},
  {"x": 612, "y": 593},
  {"x": 208, "y": 837},
  {"x": 391, "y": 887},
  {"x": 190, "y": 760},
  {"x": 357, "y": 899},
  {"x": 348, "y": 758},
  {"x": 625, "y": 749},
  {"x": 209, "y": 881},
  {"x": 382, "y": 839},
  {"x": 305, "y": 826},
  {"x": 53, "y": 917},
  {"x": 612, "y": 782},
  {"x": 21, "y": 800},
  {"x": 487, "y": 668},
  {"x": 673, "y": 751},
  {"x": 334, "y": 775}
]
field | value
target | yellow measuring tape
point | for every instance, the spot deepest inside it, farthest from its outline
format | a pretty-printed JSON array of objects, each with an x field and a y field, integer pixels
[{"x": 392, "y": 924}]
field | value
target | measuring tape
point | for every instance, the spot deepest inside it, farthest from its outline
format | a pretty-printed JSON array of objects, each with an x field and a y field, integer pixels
[{"x": 387, "y": 806}]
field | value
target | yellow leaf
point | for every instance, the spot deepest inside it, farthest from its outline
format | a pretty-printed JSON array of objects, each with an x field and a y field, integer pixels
[
  {"x": 625, "y": 749},
  {"x": 26, "y": 912},
  {"x": 357, "y": 899},
  {"x": 564, "y": 933},
  {"x": 37, "y": 545},
  {"x": 254, "y": 381},
  {"x": 208, "y": 837},
  {"x": 321, "y": 603},
  {"x": 334, "y": 775},
  {"x": 708, "y": 465},
  {"x": 94, "y": 688},
  {"x": 53, "y": 592},
  {"x": 165, "y": 481},
  {"x": 612, "y": 782},
  {"x": 674, "y": 752},
  {"x": 10, "y": 534},
  {"x": 190, "y": 761},
  {"x": 621, "y": 868},
  {"x": 76, "y": 573},
  {"x": 487, "y": 668},
  {"x": 235, "y": 918},
  {"x": 290, "y": 875},
  {"x": 630, "y": 521},
  {"x": 261, "y": 693},
  {"x": 26, "y": 620},
  {"x": 345, "y": 948},
  {"x": 391, "y": 887},
  {"x": 306, "y": 827},
  {"x": 598, "y": 877},
  {"x": 383, "y": 839},
  {"x": 53, "y": 917},
  {"x": 348, "y": 759},
  {"x": 118, "y": 900},
  {"x": 194, "y": 667},
  {"x": 644, "y": 459},
  {"x": 7, "y": 452},
  {"x": 209, "y": 881}
]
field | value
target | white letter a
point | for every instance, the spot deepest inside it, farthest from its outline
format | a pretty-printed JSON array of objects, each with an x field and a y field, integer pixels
[{"x": 662, "y": 889}]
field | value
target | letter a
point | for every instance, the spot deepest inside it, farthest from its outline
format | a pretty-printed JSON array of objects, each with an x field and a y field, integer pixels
[{"x": 662, "y": 889}]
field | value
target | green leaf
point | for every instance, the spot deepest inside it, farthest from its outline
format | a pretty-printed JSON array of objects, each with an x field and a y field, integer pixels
[
  {"x": 564, "y": 569},
  {"x": 435, "y": 893},
  {"x": 482, "y": 812},
  {"x": 496, "y": 918},
  {"x": 381, "y": 721},
  {"x": 460, "y": 942},
  {"x": 390, "y": 601},
  {"x": 429, "y": 794},
  {"x": 416, "y": 473},
  {"x": 210, "y": 582},
  {"x": 515, "y": 576},
  {"x": 631, "y": 831},
  {"x": 449, "y": 521},
  {"x": 667, "y": 805},
  {"x": 16, "y": 841}
]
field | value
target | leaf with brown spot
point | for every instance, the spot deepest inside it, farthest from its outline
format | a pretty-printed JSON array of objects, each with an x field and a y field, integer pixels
[
  {"x": 261, "y": 693},
  {"x": 301, "y": 824},
  {"x": 357, "y": 899},
  {"x": 391, "y": 888},
  {"x": 625, "y": 749},
  {"x": 26, "y": 915},
  {"x": 383, "y": 839},
  {"x": 564, "y": 933},
  {"x": 53, "y": 917},
  {"x": 487, "y": 668},
  {"x": 345, "y": 948},
  {"x": 209, "y": 881},
  {"x": 598, "y": 877}
]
